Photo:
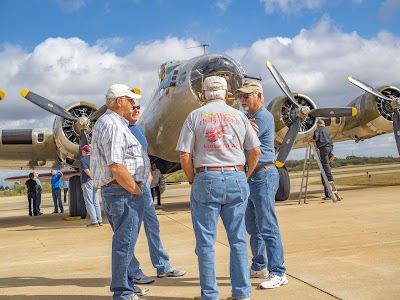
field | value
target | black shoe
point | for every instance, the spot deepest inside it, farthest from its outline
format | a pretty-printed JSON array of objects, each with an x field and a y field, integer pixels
[
  {"x": 40, "y": 213},
  {"x": 30, "y": 214},
  {"x": 327, "y": 198},
  {"x": 61, "y": 212},
  {"x": 55, "y": 212}
]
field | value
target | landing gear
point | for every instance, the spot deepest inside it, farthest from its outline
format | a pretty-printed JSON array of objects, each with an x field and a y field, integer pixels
[
  {"x": 284, "y": 185},
  {"x": 76, "y": 202}
]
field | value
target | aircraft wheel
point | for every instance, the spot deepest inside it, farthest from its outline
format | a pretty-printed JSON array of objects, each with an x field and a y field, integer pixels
[
  {"x": 76, "y": 202},
  {"x": 284, "y": 185}
]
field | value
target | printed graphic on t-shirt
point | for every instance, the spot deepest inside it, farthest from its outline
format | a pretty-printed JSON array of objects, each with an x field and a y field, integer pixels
[{"x": 215, "y": 133}]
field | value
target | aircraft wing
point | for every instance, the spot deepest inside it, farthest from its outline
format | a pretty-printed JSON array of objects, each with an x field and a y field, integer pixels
[{"x": 44, "y": 177}]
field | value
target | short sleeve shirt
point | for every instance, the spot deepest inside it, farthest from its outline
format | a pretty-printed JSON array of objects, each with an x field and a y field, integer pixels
[
  {"x": 217, "y": 135},
  {"x": 113, "y": 142}
]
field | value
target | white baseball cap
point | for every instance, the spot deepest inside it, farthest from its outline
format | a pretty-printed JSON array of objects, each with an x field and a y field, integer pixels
[
  {"x": 121, "y": 90},
  {"x": 214, "y": 83}
]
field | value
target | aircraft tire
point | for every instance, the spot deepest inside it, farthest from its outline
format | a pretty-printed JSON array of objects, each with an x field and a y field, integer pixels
[
  {"x": 76, "y": 202},
  {"x": 284, "y": 185}
]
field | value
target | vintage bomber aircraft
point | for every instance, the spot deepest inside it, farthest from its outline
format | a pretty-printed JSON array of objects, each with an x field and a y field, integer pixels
[{"x": 178, "y": 93}]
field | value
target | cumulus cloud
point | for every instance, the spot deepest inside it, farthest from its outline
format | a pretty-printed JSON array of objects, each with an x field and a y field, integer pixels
[
  {"x": 290, "y": 6},
  {"x": 315, "y": 62}
]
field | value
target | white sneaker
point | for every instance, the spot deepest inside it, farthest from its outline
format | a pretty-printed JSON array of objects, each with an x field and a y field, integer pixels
[
  {"x": 143, "y": 279},
  {"x": 263, "y": 273},
  {"x": 274, "y": 281},
  {"x": 172, "y": 273},
  {"x": 141, "y": 291}
]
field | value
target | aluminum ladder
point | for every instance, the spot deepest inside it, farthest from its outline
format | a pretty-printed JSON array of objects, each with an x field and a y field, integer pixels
[{"x": 333, "y": 192}]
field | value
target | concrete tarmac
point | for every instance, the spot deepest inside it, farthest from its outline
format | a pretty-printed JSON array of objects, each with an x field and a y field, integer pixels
[{"x": 344, "y": 250}]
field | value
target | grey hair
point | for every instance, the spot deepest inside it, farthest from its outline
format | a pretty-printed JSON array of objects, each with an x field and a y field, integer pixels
[
  {"x": 218, "y": 94},
  {"x": 110, "y": 101}
]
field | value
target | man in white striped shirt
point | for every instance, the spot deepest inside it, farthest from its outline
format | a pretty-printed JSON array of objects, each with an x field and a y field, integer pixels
[{"x": 120, "y": 166}]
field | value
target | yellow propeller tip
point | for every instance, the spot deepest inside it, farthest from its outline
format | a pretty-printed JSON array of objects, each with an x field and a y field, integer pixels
[
  {"x": 2, "y": 95},
  {"x": 353, "y": 111},
  {"x": 24, "y": 93},
  {"x": 349, "y": 77},
  {"x": 279, "y": 164},
  {"x": 269, "y": 63}
]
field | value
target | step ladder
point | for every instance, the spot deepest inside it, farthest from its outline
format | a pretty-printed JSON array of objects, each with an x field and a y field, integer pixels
[{"x": 333, "y": 192}]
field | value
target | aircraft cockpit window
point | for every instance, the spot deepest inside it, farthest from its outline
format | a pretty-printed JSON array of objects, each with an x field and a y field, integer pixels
[{"x": 219, "y": 66}]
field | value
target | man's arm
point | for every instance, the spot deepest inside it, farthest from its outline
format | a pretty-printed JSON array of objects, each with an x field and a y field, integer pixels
[
  {"x": 124, "y": 178},
  {"x": 252, "y": 159},
  {"x": 187, "y": 165},
  {"x": 87, "y": 171}
]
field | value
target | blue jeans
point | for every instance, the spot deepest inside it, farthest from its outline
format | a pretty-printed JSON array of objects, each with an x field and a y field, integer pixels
[
  {"x": 56, "y": 193},
  {"x": 92, "y": 202},
  {"x": 124, "y": 212},
  {"x": 262, "y": 224},
  {"x": 38, "y": 201},
  {"x": 222, "y": 194},
  {"x": 159, "y": 258}
]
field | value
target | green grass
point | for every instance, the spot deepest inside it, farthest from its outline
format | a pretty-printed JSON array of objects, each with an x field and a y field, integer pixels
[{"x": 386, "y": 179}]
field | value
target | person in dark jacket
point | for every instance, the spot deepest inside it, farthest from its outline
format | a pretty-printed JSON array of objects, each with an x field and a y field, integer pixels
[
  {"x": 325, "y": 146},
  {"x": 32, "y": 187}
]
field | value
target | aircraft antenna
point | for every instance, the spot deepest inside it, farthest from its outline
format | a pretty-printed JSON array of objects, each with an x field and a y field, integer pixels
[{"x": 202, "y": 45}]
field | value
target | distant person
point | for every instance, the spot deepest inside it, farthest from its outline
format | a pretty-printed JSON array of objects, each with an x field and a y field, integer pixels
[
  {"x": 32, "y": 187},
  {"x": 39, "y": 192},
  {"x": 325, "y": 146},
  {"x": 121, "y": 167},
  {"x": 261, "y": 220},
  {"x": 215, "y": 136},
  {"x": 65, "y": 188},
  {"x": 56, "y": 179},
  {"x": 155, "y": 184},
  {"x": 159, "y": 257},
  {"x": 89, "y": 189}
]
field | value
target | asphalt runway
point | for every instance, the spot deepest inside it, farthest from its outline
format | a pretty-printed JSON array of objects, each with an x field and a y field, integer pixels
[{"x": 344, "y": 250}]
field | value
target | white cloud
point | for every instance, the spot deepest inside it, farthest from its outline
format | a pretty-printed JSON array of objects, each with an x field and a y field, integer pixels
[
  {"x": 223, "y": 4},
  {"x": 389, "y": 9},
  {"x": 315, "y": 62},
  {"x": 71, "y": 5},
  {"x": 291, "y": 6}
]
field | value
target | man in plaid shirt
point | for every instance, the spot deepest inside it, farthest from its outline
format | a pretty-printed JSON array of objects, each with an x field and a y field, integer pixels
[{"x": 121, "y": 167}]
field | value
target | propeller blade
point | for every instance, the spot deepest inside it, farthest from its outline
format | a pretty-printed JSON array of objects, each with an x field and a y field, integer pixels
[
  {"x": 2, "y": 95},
  {"x": 333, "y": 112},
  {"x": 287, "y": 143},
  {"x": 396, "y": 127},
  {"x": 98, "y": 113},
  {"x": 83, "y": 140},
  {"x": 281, "y": 82},
  {"x": 367, "y": 88},
  {"x": 47, "y": 105}
]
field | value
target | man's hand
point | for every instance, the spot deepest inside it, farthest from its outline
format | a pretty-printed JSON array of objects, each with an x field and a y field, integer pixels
[{"x": 254, "y": 125}]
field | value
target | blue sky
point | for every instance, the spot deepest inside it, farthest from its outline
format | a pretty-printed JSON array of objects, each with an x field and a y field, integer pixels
[{"x": 72, "y": 50}]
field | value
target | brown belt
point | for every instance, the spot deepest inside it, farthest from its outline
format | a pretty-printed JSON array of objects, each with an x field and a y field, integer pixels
[
  {"x": 221, "y": 169},
  {"x": 115, "y": 183},
  {"x": 263, "y": 167}
]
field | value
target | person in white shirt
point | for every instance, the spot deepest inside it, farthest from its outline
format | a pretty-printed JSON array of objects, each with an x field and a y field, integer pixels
[{"x": 155, "y": 184}]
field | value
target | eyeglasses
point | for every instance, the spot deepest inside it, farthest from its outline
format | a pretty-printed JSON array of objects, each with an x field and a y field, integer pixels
[
  {"x": 244, "y": 96},
  {"x": 136, "y": 107}
]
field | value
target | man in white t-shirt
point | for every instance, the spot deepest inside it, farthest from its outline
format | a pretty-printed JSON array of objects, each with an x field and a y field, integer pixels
[{"x": 155, "y": 184}]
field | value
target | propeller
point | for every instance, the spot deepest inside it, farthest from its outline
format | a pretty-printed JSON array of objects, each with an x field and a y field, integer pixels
[
  {"x": 301, "y": 113},
  {"x": 393, "y": 102},
  {"x": 2, "y": 95},
  {"x": 48, "y": 105}
]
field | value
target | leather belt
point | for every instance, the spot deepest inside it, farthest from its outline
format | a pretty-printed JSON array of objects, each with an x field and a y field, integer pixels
[
  {"x": 221, "y": 169},
  {"x": 263, "y": 167},
  {"x": 115, "y": 183}
]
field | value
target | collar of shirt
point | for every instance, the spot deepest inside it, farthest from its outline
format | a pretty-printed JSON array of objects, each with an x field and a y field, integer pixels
[{"x": 121, "y": 118}]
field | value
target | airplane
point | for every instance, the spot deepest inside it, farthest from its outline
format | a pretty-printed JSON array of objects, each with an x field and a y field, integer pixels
[{"x": 178, "y": 93}]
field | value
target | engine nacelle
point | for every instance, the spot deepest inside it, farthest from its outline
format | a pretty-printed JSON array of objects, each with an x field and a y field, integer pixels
[
  {"x": 374, "y": 117},
  {"x": 284, "y": 114},
  {"x": 67, "y": 133}
]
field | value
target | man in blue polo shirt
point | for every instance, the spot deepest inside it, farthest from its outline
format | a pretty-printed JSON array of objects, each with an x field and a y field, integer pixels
[{"x": 158, "y": 255}]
